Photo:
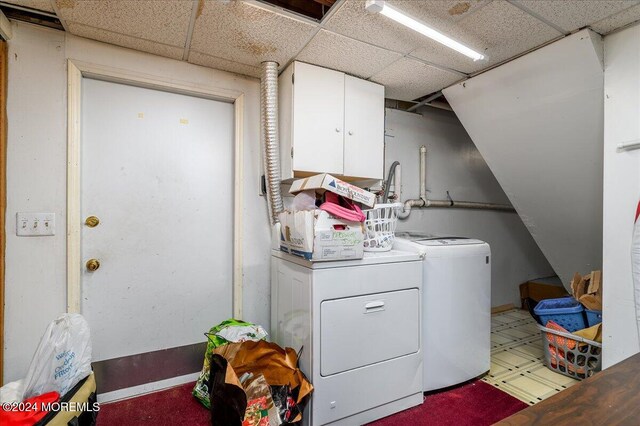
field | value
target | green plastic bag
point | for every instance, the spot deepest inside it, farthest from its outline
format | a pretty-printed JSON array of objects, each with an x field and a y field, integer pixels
[{"x": 228, "y": 331}]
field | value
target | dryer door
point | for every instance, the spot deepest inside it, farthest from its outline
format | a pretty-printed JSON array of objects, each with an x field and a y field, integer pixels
[{"x": 364, "y": 330}]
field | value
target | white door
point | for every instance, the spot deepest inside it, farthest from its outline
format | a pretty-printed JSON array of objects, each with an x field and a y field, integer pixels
[
  {"x": 364, "y": 128},
  {"x": 318, "y": 120},
  {"x": 157, "y": 171}
]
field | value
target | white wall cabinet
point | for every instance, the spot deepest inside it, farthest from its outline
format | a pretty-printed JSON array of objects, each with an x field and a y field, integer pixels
[{"x": 330, "y": 122}]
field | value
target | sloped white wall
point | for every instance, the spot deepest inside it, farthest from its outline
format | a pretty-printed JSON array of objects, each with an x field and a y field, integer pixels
[
  {"x": 36, "y": 178},
  {"x": 538, "y": 123},
  {"x": 455, "y": 165},
  {"x": 621, "y": 191}
]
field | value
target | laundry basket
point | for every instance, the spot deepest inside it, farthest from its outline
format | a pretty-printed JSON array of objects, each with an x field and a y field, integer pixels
[
  {"x": 569, "y": 354},
  {"x": 380, "y": 226}
]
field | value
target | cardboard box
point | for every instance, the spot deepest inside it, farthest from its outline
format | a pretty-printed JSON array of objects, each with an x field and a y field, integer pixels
[
  {"x": 541, "y": 289},
  {"x": 326, "y": 182},
  {"x": 318, "y": 236}
]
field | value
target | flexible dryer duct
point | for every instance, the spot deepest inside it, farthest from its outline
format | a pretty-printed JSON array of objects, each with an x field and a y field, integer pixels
[{"x": 271, "y": 141}]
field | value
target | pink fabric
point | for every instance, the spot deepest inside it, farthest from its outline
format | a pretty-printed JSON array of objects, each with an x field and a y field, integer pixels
[{"x": 342, "y": 208}]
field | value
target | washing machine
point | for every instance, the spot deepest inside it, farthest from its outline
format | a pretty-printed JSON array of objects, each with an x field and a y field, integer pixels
[
  {"x": 456, "y": 307},
  {"x": 357, "y": 327}
]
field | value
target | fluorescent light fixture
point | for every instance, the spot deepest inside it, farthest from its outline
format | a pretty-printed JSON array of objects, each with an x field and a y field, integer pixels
[{"x": 380, "y": 6}]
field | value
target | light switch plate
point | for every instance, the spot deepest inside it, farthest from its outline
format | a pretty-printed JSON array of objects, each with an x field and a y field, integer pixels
[{"x": 35, "y": 224}]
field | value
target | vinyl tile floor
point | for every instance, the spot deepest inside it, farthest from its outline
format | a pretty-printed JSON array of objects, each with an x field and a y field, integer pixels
[{"x": 517, "y": 359}]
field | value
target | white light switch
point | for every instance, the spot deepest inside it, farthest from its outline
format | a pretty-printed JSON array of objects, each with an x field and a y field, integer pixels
[{"x": 35, "y": 224}]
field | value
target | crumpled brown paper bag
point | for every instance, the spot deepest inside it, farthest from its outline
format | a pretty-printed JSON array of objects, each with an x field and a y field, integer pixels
[{"x": 278, "y": 366}]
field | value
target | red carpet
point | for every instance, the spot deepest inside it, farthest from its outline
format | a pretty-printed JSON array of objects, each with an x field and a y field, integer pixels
[
  {"x": 169, "y": 407},
  {"x": 473, "y": 404}
]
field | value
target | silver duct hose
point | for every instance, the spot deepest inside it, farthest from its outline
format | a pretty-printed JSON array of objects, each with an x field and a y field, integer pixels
[{"x": 270, "y": 137}]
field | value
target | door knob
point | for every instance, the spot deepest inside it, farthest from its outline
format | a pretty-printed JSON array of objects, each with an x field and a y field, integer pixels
[
  {"x": 93, "y": 265},
  {"x": 92, "y": 221}
]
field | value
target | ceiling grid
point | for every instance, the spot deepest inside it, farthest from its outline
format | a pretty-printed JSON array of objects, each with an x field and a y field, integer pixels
[{"x": 236, "y": 35}]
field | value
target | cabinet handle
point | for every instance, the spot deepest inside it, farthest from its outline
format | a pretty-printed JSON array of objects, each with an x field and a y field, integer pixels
[
  {"x": 338, "y": 129},
  {"x": 350, "y": 133}
]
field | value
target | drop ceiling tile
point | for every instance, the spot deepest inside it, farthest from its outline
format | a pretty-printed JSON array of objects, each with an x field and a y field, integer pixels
[
  {"x": 618, "y": 20},
  {"x": 408, "y": 79},
  {"x": 504, "y": 30},
  {"x": 34, "y": 4},
  {"x": 244, "y": 33},
  {"x": 125, "y": 41},
  {"x": 164, "y": 21},
  {"x": 341, "y": 53},
  {"x": 571, "y": 15},
  {"x": 223, "y": 64},
  {"x": 439, "y": 54},
  {"x": 353, "y": 21}
]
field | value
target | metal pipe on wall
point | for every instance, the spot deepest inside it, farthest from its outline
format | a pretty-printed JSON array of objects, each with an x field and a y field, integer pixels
[
  {"x": 424, "y": 202},
  {"x": 270, "y": 137},
  {"x": 423, "y": 173}
]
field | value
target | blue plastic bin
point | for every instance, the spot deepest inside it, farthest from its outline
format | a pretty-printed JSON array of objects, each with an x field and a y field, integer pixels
[
  {"x": 565, "y": 311},
  {"x": 593, "y": 317}
]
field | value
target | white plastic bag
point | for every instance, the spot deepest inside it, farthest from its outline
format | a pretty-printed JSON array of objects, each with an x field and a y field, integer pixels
[
  {"x": 305, "y": 200},
  {"x": 63, "y": 357},
  {"x": 12, "y": 392}
]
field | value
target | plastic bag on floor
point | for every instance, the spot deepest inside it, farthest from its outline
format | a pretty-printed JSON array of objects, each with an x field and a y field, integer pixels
[
  {"x": 227, "y": 400},
  {"x": 278, "y": 366},
  {"x": 261, "y": 411},
  {"x": 231, "y": 330},
  {"x": 63, "y": 357},
  {"x": 285, "y": 401}
]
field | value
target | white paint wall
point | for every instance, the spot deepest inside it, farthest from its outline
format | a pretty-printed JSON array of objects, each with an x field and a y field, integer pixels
[
  {"x": 455, "y": 165},
  {"x": 538, "y": 123},
  {"x": 621, "y": 191},
  {"x": 36, "y": 178}
]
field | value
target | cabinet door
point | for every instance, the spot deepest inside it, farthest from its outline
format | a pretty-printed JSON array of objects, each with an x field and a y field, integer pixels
[
  {"x": 318, "y": 119},
  {"x": 364, "y": 127}
]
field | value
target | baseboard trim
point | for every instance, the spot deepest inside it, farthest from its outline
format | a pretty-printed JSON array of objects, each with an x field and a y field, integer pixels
[
  {"x": 150, "y": 367},
  {"x": 502, "y": 308},
  {"x": 146, "y": 388}
]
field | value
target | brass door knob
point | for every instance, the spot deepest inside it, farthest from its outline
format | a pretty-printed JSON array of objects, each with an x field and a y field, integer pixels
[
  {"x": 93, "y": 264},
  {"x": 92, "y": 221}
]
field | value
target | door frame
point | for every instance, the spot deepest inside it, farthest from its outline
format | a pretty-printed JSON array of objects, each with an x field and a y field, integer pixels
[
  {"x": 4, "y": 72},
  {"x": 76, "y": 70}
]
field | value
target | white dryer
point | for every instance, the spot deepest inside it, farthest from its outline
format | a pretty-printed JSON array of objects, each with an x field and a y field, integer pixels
[
  {"x": 357, "y": 323},
  {"x": 456, "y": 307}
]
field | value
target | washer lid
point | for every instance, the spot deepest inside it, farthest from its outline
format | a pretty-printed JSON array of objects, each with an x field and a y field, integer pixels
[
  {"x": 449, "y": 241},
  {"x": 419, "y": 236}
]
